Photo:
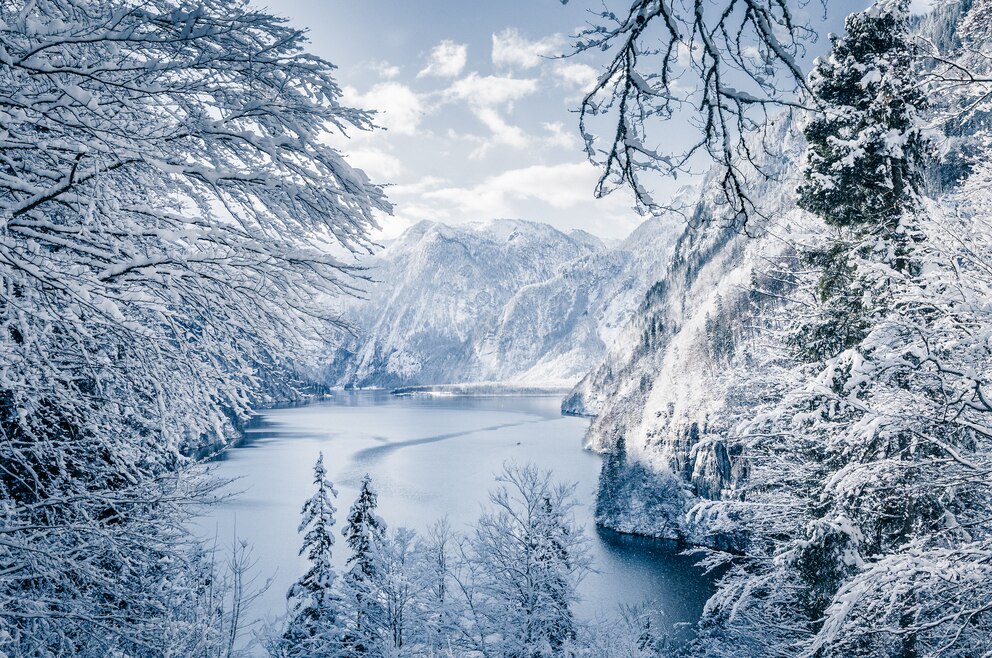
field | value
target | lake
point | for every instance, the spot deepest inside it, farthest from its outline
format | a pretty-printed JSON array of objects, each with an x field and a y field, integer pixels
[{"x": 429, "y": 457}]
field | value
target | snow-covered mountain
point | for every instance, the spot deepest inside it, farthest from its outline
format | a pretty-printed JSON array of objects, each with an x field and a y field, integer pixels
[
  {"x": 508, "y": 301},
  {"x": 674, "y": 381}
]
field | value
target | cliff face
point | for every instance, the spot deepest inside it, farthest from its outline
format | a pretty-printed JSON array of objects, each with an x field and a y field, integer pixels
[{"x": 684, "y": 369}]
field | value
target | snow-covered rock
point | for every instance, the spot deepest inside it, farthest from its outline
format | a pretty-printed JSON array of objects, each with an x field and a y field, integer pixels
[
  {"x": 507, "y": 301},
  {"x": 679, "y": 373}
]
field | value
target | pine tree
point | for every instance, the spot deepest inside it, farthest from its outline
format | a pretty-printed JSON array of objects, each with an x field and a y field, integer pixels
[
  {"x": 862, "y": 176},
  {"x": 866, "y": 147},
  {"x": 314, "y": 601},
  {"x": 609, "y": 495},
  {"x": 863, "y": 172},
  {"x": 869, "y": 498},
  {"x": 365, "y": 534},
  {"x": 552, "y": 556}
]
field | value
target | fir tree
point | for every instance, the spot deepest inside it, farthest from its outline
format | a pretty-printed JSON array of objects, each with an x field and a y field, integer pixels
[
  {"x": 865, "y": 148},
  {"x": 364, "y": 533},
  {"x": 314, "y": 602},
  {"x": 609, "y": 496},
  {"x": 869, "y": 475},
  {"x": 864, "y": 159},
  {"x": 552, "y": 539},
  {"x": 862, "y": 175}
]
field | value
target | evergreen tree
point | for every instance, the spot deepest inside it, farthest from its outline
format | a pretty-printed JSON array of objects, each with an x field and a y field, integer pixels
[
  {"x": 866, "y": 147},
  {"x": 365, "y": 534},
  {"x": 862, "y": 176},
  {"x": 552, "y": 540},
  {"x": 609, "y": 496},
  {"x": 314, "y": 601},
  {"x": 868, "y": 496}
]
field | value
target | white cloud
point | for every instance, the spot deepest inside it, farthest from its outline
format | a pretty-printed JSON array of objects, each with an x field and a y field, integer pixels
[
  {"x": 511, "y": 49},
  {"x": 561, "y": 186},
  {"x": 487, "y": 97},
  {"x": 502, "y": 132},
  {"x": 561, "y": 194},
  {"x": 399, "y": 109},
  {"x": 559, "y": 135},
  {"x": 424, "y": 184},
  {"x": 490, "y": 90},
  {"x": 447, "y": 60},
  {"x": 384, "y": 70},
  {"x": 379, "y": 165},
  {"x": 575, "y": 74}
]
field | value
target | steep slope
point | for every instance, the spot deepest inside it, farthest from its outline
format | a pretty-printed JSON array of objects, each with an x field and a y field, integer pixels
[
  {"x": 674, "y": 381},
  {"x": 502, "y": 301}
]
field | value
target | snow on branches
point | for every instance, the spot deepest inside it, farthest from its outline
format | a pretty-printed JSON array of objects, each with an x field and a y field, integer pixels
[
  {"x": 171, "y": 220},
  {"x": 719, "y": 68}
]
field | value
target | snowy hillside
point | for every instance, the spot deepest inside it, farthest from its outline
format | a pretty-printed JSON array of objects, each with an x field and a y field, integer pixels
[
  {"x": 669, "y": 388},
  {"x": 501, "y": 301}
]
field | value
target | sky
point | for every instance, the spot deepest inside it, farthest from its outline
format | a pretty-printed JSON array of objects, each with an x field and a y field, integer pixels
[{"x": 478, "y": 114}]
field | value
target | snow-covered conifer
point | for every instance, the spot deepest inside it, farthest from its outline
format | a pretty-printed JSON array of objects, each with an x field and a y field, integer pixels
[
  {"x": 865, "y": 477},
  {"x": 862, "y": 177},
  {"x": 314, "y": 602},
  {"x": 365, "y": 534}
]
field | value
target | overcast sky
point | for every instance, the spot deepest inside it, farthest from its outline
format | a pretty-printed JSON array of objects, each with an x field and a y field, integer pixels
[{"x": 478, "y": 123}]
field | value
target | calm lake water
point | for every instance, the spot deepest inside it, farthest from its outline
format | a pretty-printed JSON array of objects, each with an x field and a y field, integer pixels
[{"x": 430, "y": 457}]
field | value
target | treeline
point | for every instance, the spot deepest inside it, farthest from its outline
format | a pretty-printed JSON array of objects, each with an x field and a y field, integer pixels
[{"x": 506, "y": 588}]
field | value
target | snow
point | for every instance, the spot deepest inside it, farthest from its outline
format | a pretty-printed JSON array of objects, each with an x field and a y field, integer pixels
[{"x": 507, "y": 301}]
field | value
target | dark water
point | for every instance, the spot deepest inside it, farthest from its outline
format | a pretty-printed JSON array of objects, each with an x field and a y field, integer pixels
[{"x": 431, "y": 457}]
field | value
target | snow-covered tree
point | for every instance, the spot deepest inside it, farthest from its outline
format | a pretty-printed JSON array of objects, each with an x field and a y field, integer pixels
[
  {"x": 441, "y": 600},
  {"x": 402, "y": 590},
  {"x": 866, "y": 147},
  {"x": 314, "y": 602},
  {"x": 866, "y": 151},
  {"x": 868, "y": 476},
  {"x": 527, "y": 557},
  {"x": 365, "y": 534},
  {"x": 172, "y": 221},
  {"x": 720, "y": 69}
]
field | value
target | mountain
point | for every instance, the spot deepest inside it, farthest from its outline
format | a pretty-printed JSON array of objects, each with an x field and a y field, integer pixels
[
  {"x": 680, "y": 372},
  {"x": 508, "y": 301}
]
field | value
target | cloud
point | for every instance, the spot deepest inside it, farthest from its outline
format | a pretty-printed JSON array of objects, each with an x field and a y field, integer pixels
[
  {"x": 447, "y": 60},
  {"x": 502, "y": 132},
  {"x": 558, "y": 135},
  {"x": 419, "y": 187},
  {"x": 399, "y": 109},
  {"x": 561, "y": 194},
  {"x": 512, "y": 50},
  {"x": 575, "y": 74},
  {"x": 379, "y": 165},
  {"x": 490, "y": 90},
  {"x": 561, "y": 186},
  {"x": 488, "y": 97},
  {"x": 384, "y": 69}
]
